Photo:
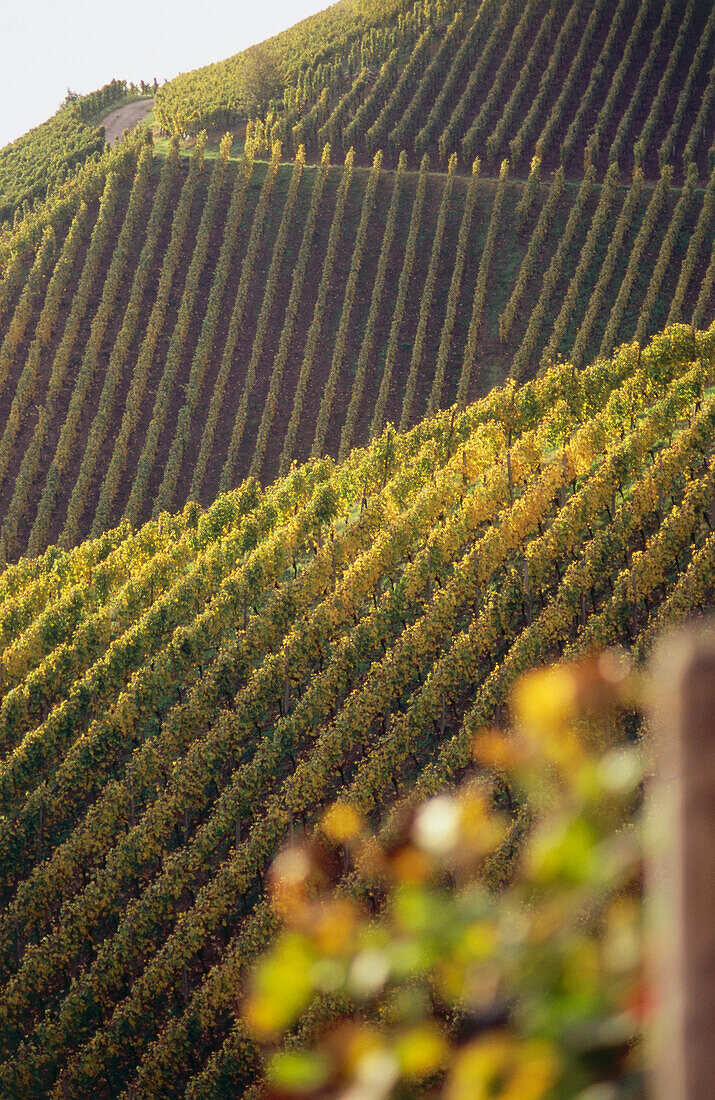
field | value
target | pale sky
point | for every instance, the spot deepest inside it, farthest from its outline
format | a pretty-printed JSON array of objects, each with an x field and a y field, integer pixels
[{"x": 47, "y": 46}]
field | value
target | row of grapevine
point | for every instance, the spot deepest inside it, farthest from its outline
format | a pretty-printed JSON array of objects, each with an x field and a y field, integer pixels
[
  {"x": 91, "y": 271},
  {"x": 648, "y": 569},
  {"x": 616, "y": 246},
  {"x": 511, "y": 60},
  {"x": 380, "y": 411},
  {"x": 135, "y": 399},
  {"x": 601, "y": 75},
  {"x": 642, "y": 83},
  {"x": 480, "y": 289},
  {"x": 42, "y": 608},
  {"x": 234, "y": 328},
  {"x": 430, "y": 82},
  {"x": 645, "y": 234},
  {"x": 515, "y": 102},
  {"x": 567, "y": 34},
  {"x": 688, "y": 598},
  {"x": 642, "y": 144},
  {"x": 414, "y": 69},
  {"x": 341, "y": 337},
  {"x": 465, "y": 56},
  {"x": 499, "y": 33},
  {"x": 667, "y": 146},
  {"x": 594, "y": 237},
  {"x": 296, "y": 290},
  {"x": 551, "y": 277},
  {"x": 207, "y": 337},
  {"x": 367, "y": 347},
  {"x": 706, "y": 291},
  {"x": 31, "y": 295},
  {"x": 81, "y": 627},
  {"x": 531, "y": 262},
  {"x": 577, "y": 64},
  {"x": 525, "y": 204},
  {"x": 695, "y": 250},
  {"x": 427, "y": 297},
  {"x": 699, "y": 127},
  {"x": 316, "y": 324},
  {"x": 13, "y": 274},
  {"x": 26, "y": 386},
  {"x": 229, "y": 469},
  {"x": 331, "y": 130},
  {"x": 116, "y": 275},
  {"x": 455, "y": 288},
  {"x": 665, "y": 255},
  {"x": 177, "y": 344},
  {"x": 358, "y": 126},
  {"x": 120, "y": 354}
]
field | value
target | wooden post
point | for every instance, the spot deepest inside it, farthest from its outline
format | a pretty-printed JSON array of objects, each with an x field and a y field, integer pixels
[{"x": 681, "y": 866}]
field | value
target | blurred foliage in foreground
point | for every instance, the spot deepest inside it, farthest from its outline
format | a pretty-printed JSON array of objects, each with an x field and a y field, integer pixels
[{"x": 486, "y": 943}]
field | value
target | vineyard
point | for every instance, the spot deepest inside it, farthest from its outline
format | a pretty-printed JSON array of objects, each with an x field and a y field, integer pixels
[
  {"x": 374, "y": 370},
  {"x": 574, "y": 82},
  {"x": 176, "y": 702},
  {"x": 174, "y": 324},
  {"x": 40, "y": 162}
]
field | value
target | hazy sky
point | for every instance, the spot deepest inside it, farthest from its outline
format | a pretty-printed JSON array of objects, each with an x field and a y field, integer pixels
[{"x": 47, "y": 46}]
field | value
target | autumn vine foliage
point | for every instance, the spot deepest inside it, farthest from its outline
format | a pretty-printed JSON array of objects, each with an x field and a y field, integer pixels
[
  {"x": 180, "y": 701},
  {"x": 372, "y": 371},
  {"x": 393, "y": 943}
]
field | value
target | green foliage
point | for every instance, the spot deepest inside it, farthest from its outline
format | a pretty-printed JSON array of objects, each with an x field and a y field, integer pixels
[
  {"x": 32, "y": 167},
  {"x": 179, "y": 701}
]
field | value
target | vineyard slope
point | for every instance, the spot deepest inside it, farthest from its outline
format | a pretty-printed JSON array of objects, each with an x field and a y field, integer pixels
[{"x": 180, "y": 699}]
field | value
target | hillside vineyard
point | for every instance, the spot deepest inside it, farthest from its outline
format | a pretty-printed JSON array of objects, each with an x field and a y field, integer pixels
[
  {"x": 177, "y": 701},
  {"x": 575, "y": 82},
  {"x": 187, "y": 323},
  {"x": 375, "y": 370},
  {"x": 44, "y": 158}
]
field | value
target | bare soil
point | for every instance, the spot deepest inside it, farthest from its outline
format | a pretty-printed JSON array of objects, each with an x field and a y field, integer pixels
[{"x": 125, "y": 118}]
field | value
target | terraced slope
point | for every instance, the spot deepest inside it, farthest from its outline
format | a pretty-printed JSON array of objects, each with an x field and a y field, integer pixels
[
  {"x": 197, "y": 320},
  {"x": 176, "y": 701},
  {"x": 575, "y": 82}
]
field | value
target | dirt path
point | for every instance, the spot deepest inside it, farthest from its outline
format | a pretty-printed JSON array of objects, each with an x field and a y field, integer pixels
[{"x": 125, "y": 118}]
